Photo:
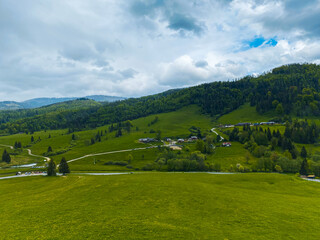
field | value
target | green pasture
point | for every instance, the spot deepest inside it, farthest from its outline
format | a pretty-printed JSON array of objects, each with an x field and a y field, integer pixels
[{"x": 160, "y": 206}]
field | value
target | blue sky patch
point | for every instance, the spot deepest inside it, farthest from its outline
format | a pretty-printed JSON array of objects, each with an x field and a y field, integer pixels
[
  {"x": 272, "y": 42},
  {"x": 256, "y": 42},
  {"x": 259, "y": 41}
]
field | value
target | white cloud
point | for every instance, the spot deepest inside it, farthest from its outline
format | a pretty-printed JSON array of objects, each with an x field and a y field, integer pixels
[{"x": 134, "y": 48}]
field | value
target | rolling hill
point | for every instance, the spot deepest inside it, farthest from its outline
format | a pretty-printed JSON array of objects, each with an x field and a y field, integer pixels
[{"x": 40, "y": 102}]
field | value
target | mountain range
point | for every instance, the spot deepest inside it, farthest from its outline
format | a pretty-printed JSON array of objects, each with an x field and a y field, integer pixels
[{"x": 40, "y": 102}]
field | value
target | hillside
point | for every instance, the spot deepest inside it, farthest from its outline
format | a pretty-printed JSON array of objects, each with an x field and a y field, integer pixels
[
  {"x": 56, "y": 109},
  {"x": 40, "y": 102},
  {"x": 287, "y": 90}
]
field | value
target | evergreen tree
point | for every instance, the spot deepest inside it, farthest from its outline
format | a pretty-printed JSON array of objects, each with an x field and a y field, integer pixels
[
  {"x": 303, "y": 152},
  {"x": 32, "y": 139},
  {"x": 287, "y": 131},
  {"x": 158, "y": 137},
  {"x": 73, "y": 137},
  {"x": 49, "y": 149},
  {"x": 119, "y": 133},
  {"x": 304, "y": 167},
  {"x": 129, "y": 158},
  {"x": 51, "y": 171},
  {"x": 63, "y": 166},
  {"x": 269, "y": 135},
  {"x": 6, "y": 157},
  {"x": 218, "y": 138}
]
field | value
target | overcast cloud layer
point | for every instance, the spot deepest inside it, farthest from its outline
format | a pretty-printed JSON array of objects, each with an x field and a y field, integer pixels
[{"x": 140, "y": 47}]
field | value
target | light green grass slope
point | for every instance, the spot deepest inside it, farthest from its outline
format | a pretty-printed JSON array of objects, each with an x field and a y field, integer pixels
[{"x": 245, "y": 113}]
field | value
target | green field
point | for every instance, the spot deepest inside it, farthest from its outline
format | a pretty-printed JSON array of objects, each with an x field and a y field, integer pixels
[
  {"x": 245, "y": 113},
  {"x": 160, "y": 206}
]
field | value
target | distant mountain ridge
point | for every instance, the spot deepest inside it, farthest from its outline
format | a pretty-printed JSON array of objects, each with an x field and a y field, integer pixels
[{"x": 40, "y": 102}]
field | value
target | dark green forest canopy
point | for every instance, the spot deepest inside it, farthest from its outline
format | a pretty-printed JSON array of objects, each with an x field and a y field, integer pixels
[{"x": 291, "y": 89}]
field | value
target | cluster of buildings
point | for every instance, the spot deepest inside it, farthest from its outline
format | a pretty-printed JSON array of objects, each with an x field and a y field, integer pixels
[
  {"x": 182, "y": 140},
  {"x": 247, "y": 124},
  {"x": 226, "y": 144}
]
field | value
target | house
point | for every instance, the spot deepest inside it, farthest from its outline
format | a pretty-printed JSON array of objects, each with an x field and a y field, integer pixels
[
  {"x": 146, "y": 140},
  {"x": 193, "y": 138},
  {"x": 311, "y": 176},
  {"x": 176, "y": 147},
  {"x": 226, "y": 144},
  {"x": 180, "y": 140},
  {"x": 242, "y": 124},
  {"x": 169, "y": 140},
  {"x": 267, "y": 123}
]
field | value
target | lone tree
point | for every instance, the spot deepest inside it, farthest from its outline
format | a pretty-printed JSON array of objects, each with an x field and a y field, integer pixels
[
  {"x": 49, "y": 149},
  {"x": 64, "y": 167},
  {"x": 129, "y": 158},
  {"x": 6, "y": 157},
  {"x": 303, "y": 153},
  {"x": 51, "y": 171}
]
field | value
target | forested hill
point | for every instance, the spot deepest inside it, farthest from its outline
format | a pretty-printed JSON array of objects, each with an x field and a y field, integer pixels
[
  {"x": 288, "y": 89},
  {"x": 40, "y": 102}
]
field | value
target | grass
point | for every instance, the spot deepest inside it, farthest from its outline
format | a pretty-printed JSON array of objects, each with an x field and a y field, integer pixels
[
  {"x": 245, "y": 113},
  {"x": 226, "y": 156},
  {"x": 160, "y": 206},
  {"x": 98, "y": 163}
]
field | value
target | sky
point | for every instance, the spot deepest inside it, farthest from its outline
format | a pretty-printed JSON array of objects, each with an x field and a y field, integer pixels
[{"x": 134, "y": 48}]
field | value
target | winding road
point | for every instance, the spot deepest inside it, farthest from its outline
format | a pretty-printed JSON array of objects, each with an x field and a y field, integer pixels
[
  {"x": 214, "y": 131},
  {"x": 29, "y": 152}
]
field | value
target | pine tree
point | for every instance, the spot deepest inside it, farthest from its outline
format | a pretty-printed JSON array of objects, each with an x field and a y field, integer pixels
[
  {"x": 32, "y": 139},
  {"x": 64, "y": 167},
  {"x": 129, "y": 158},
  {"x": 303, "y": 152},
  {"x": 269, "y": 134},
  {"x": 49, "y": 149},
  {"x": 6, "y": 157},
  {"x": 287, "y": 131},
  {"x": 51, "y": 171},
  {"x": 119, "y": 133},
  {"x": 304, "y": 167}
]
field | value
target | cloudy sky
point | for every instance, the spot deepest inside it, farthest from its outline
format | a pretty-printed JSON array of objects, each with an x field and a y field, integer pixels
[{"x": 140, "y": 47}]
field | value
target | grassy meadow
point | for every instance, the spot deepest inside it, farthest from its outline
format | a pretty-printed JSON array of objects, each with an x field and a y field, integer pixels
[
  {"x": 245, "y": 113},
  {"x": 160, "y": 206}
]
